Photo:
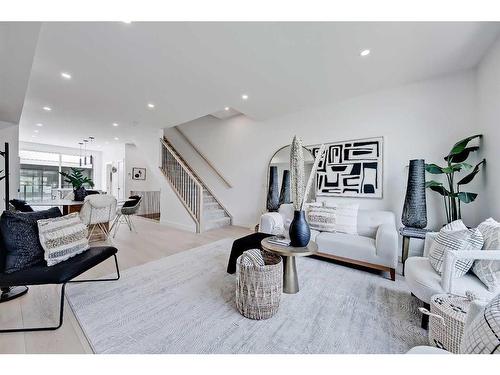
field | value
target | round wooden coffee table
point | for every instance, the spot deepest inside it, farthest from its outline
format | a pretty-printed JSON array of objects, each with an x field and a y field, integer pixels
[{"x": 288, "y": 253}]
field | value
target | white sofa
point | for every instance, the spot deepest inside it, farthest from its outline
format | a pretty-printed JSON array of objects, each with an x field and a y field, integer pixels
[
  {"x": 424, "y": 281},
  {"x": 375, "y": 245}
]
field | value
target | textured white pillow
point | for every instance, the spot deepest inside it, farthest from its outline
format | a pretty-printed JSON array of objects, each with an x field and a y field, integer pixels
[
  {"x": 62, "y": 237},
  {"x": 346, "y": 217},
  {"x": 456, "y": 237},
  {"x": 488, "y": 271},
  {"x": 322, "y": 218}
]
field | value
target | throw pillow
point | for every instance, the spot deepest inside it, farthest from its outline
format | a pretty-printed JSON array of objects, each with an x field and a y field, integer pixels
[
  {"x": 63, "y": 237},
  {"x": 482, "y": 336},
  {"x": 346, "y": 217},
  {"x": 455, "y": 237},
  {"x": 20, "y": 238},
  {"x": 321, "y": 218},
  {"x": 488, "y": 271},
  {"x": 21, "y": 205}
]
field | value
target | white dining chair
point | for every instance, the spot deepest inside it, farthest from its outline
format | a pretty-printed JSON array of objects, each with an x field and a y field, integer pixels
[{"x": 97, "y": 211}]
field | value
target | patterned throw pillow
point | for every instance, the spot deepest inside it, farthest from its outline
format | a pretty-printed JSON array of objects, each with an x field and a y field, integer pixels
[
  {"x": 488, "y": 271},
  {"x": 63, "y": 237},
  {"x": 482, "y": 336},
  {"x": 456, "y": 237},
  {"x": 321, "y": 218}
]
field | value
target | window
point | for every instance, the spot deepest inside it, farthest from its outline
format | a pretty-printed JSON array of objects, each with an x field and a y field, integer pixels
[{"x": 39, "y": 173}]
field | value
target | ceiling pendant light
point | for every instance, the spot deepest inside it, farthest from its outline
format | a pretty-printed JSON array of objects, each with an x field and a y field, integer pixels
[
  {"x": 81, "y": 144},
  {"x": 85, "y": 152},
  {"x": 91, "y": 156}
]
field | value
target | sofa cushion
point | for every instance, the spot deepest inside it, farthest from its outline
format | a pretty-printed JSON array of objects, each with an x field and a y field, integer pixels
[
  {"x": 20, "y": 238},
  {"x": 424, "y": 281},
  {"x": 455, "y": 237},
  {"x": 349, "y": 246},
  {"x": 321, "y": 218},
  {"x": 346, "y": 217},
  {"x": 488, "y": 271}
]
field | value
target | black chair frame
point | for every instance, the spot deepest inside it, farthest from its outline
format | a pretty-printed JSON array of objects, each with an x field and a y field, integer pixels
[{"x": 61, "y": 308}]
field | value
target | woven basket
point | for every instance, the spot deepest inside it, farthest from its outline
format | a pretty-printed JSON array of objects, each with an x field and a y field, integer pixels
[
  {"x": 446, "y": 321},
  {"x": 259, "y": 284}
]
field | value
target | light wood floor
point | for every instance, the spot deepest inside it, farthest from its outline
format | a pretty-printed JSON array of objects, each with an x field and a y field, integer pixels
[{"x": 41, "y": 305}]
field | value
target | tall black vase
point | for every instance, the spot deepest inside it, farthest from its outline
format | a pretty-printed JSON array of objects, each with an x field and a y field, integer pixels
[
  {"x": 415, "y": 209},
  {"x": 272, "y": 193},
  {"x": 299, "y": 231},
  {"x": 285, "y": 188}
]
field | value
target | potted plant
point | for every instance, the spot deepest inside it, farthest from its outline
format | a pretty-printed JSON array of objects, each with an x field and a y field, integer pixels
[
  {"x": 78, "y": 180},
  {"x": 452, "y": 195}
]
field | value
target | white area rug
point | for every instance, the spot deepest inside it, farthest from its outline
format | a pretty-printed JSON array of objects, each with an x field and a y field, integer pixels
[{"x": 184, "y": 303}]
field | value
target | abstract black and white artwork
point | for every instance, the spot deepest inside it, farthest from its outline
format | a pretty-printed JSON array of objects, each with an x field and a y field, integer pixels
[{"x": 351, "y": 169}]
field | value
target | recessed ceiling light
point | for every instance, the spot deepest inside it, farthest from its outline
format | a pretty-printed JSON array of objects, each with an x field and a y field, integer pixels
[
  {"x": 116, "y": 138},
  {"x": 226, "y": 108},
  {"x": 36, "y": 130},
  {"x": 127, "y": 21},
  {"x": 115, "y": 124},
  {"x": 364, "y": 53},
  {"x": 151, "y": 105},
  {"x": 33, "y": 136},
  {"x": 65, "y": 75},
  {"x": 39, "y": 125},
  {"x": 244, "y": 96},
  {"x": 47, "y": 108},
  {"x": 106, "y": 142}
]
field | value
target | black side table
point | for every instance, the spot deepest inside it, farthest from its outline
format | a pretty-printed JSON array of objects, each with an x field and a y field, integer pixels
[{"x": 407, "y": 233}]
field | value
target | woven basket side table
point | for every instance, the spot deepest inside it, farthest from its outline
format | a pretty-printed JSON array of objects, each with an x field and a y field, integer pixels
[
  {"x": 447, "y": 319},
  {"x": 259, "y": 284}
]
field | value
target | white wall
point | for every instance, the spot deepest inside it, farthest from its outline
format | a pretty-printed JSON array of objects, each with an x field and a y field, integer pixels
[
  {"x": 9, "y": 133},
  {"x": 421, "y": 120},
  {"x": 488, "y": 88}
]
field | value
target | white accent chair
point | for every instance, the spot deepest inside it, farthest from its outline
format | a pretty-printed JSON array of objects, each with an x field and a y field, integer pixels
[
  {"x": 97, "y": 211},
  {"x": 375, "y": 246},
  {"x": 424, "y": 281}
]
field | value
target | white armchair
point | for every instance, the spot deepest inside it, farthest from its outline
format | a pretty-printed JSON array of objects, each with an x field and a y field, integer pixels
[
  {"x": 97, "y": 212},
  {"x": 424, "y": 281}
]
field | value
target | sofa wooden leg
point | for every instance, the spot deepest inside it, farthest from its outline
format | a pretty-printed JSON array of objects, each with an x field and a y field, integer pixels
[{"x": 393, "y": 274}]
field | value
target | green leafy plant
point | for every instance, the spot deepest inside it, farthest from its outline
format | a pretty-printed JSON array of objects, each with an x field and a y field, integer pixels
[
  {"x": 76, "y": 178},
  {"x": 452, "y": 195}
]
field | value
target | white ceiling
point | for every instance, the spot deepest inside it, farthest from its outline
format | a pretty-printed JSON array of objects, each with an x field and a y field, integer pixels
[
  {"x": 17, "y": 48},
  {"x": 189, "y": 70}
]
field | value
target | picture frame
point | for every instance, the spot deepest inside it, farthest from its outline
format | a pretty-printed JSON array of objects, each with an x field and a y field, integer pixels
[{"x": 138, "y": 173}]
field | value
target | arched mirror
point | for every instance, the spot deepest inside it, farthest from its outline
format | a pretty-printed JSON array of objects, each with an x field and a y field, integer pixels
[{"x": 278, "y": 177}]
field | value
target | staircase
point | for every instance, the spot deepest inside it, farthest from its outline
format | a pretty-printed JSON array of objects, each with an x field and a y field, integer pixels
[{"x": 207, "y": 212}]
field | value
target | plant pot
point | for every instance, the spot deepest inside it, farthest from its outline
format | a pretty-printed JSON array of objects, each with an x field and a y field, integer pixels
[
  {"x": 80, "y": 194},
  {"x": 299, "y": 232}
]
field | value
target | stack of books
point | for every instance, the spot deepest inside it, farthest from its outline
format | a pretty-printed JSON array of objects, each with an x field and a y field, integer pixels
[{"x": 279, "y": 240}]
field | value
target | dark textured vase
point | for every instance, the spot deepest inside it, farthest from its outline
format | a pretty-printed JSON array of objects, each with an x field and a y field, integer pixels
[
  {"x": 272, "y": 193},
  {"x": 80, "y": 194},
  {"x": 415, "y": 208},
  {"x": 285, "y": 188},
  {"x": 299, "y": 232}
]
